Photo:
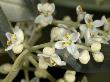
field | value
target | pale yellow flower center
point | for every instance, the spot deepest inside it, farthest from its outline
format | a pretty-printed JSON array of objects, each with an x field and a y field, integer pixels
[
  {"x": 12, "y": 40},
  {"x": 68, "y": 36},
  {"x": 90, "y": 23}
]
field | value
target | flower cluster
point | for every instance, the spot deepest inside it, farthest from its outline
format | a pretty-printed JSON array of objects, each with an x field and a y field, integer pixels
[{"x": 90, "y": 35}]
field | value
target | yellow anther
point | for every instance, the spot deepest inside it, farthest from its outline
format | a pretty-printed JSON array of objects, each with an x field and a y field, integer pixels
[
  {"x": 52, "y": 62},
  {"x": 67, "y": 36},
  {"x": 68, "y": 43},
  {"x": 12, "y": 40},
  {"x": 80, "y": 9},
  {"x": 9, "y": 42}
]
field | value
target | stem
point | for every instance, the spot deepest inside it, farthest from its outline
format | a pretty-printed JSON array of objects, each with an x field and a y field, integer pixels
[
  {"x": 33, "y": 61},
  {"x": 83, "y": 47},
  {"x": 41, "y": 46},
  {"x": 26, "y": 68},
  {"x": 50, "y": 77},
  {"x": 26, "y": 75},
  {"x": 36, "y": 33},
  {"x": 16, "y": 67},
  {"x": 71, "y": 25}
]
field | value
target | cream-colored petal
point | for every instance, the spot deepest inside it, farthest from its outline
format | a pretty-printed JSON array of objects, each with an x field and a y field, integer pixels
[
  {"x": 73, "y": 51},
  {"x": 52, "y": 7},
  {"x": 19, "y": 34},
  {"x": 10, "y": 47},
  {"x": 75, "y": 36},
  {"x": 43, "y": 20},
  {"x": 42, "y": 63},
  {"x": 18, "y": 48},
  {"x": 57, "y": 60},
  {"x": 8, "y": 35},
  {"x": 59, "y": 45},
  {"x": 87, "y": 36},
  {"x": 39, "y": 7},
  {"x": 98, "y": 23}
]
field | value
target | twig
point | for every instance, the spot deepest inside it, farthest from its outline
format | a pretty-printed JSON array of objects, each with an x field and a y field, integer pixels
[{"x": 16, "y": 67}]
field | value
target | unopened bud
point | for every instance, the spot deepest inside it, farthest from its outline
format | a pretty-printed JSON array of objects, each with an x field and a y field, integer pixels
[
  {"x": 18, "y": 49},
  {"x": 98, "y": 57},
  {"x": 5, "y": 68},
  {"x": 60, "y": 80},
  {"x": 49, "y": 50},
  {"x": 56, "y": 33},
  {"x": 96, "y": 47},
  {"x": 84, "y": 57},
  {"x": 69, "y": 76},
  {"x": 41, "y": 73}
]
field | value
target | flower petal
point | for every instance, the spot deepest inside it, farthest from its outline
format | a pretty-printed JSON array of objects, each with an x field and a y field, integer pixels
[
  {"x": 39, "y": 7},
  {"x": 8, "y": 35},
  {"x": 98, "y": 23},
  {"x": 75, "y": 36},
  {"x": 10, "y": 47},
  {"x": 87, "y": 36},
  {"x": 42, "y": 63},
  {"x": 104, "y": 19},
  {"x": 59, "y": 45},
  {"x": 52, "y": 7},
  {"x": 57, "y": 60},
  {"x": 73, "y": 51},
  {"x": 83, "y": 28},
  {"x": 43, "y": 20},
  {"x": 19, "y": 34}
]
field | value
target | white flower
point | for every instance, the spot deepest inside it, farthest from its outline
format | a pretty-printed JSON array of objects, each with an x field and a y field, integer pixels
[
  {"x": 92, "y": 24},
  {"x": 14, "y": 40},
  {"x": 80, "y": 13},
  {"x": 84, "y": 57},
  {"x": 68, "y": 42},
  {"x": 98, "y": 57},
  {"x": 49, "y": 58},
  {"x": 46, "y": 11},
  {"x": 46, "y": 8},
  {"x": 106, "y": 23},
  {"x": 90, "y": 28}
]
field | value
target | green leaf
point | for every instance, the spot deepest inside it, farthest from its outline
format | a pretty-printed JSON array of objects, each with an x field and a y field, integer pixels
[
  {"x": 4, "y": 27},
  {"x": 19, "y": 10}
]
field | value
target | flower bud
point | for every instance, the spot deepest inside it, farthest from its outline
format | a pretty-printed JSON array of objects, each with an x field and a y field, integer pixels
[
  {"x": 96, "y": 47},
  {"x": 98, "y": 57},
  {"x": 49, "y": 50},
  {"x": 41, "y": 73},
  {"x": 5, "y": 68},
  {"x": 57, "y": 33},
  {"x": 84, "y": 57},
  {"x": 60, "y": 80},
  {"x": 67, "y": 18},
  {"x": 69, "y": 76},
  {"x": 18, "y": 49},
  {"x": 70, "y": 72}
]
